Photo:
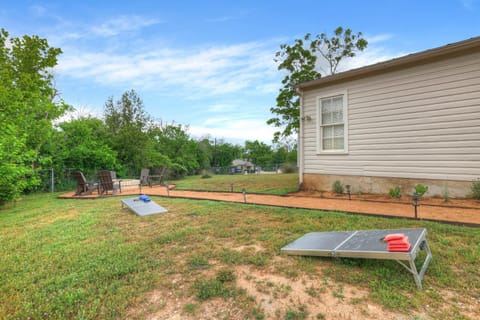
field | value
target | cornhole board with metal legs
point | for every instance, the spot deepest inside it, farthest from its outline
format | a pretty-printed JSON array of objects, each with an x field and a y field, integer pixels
[
  {"x": 364, "y": 244},
  {"x": 143, "y": 208}
]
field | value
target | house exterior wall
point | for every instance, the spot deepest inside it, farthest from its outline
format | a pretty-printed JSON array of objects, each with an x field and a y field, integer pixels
[{"x": 416, "y": 124}]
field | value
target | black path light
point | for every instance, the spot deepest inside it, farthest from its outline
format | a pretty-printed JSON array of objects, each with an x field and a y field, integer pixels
[
  {"x": 244, "y": 191},
  {"x": 348, "y": 191},
  {"x": 168, "y": 190},
  {"x": 231, "y": 186},
  {"x": 415, "y": 198}
]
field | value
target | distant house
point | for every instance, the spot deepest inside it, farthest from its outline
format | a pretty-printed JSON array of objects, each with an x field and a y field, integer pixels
[
  {"x": 241, "y": 166},
  {"x": 410, "y": 120}
]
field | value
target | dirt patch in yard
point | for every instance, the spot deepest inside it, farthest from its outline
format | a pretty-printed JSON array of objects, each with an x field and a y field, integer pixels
[
  {"x": 308, "y": 296},
  {"x": 275, "y": 297}
]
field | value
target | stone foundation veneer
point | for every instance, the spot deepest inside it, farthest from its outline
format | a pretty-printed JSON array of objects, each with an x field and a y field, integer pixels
[{"x": 381, "y": 185}]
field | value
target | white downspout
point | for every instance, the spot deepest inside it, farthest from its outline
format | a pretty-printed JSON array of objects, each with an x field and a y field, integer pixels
[{"x": 300, "y": 140}]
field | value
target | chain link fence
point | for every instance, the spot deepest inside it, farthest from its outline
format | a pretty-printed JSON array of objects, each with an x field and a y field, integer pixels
[
  {"x": 52, "y": 180},
  {"x": 257, "y": 169},
  {"x": 62, "y": 180}
]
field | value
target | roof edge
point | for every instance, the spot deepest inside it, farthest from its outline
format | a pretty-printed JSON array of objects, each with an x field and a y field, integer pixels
[{"x": 430, "y": 55}]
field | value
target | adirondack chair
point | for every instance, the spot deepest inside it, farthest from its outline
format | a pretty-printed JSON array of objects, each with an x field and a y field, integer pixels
[
  {"x": 144, "y": 177},
  {"x": 83, "y": 186},
  {"x": 106, "y": 183},
  {"x": 160, "y": 176},
  {"x": 147, "y": 179},
  {"x": 114, "y": 179}
]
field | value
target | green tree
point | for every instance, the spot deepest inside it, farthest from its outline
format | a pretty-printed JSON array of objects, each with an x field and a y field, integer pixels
[
  {"x": 280, "y": 155},
  {"x": 179, "y": 151},
  {"x": 206, "y": 153},
  {"x": 226, "y": 152},
  {"x": 29, "y": 103},
  {"x": 344, "y": 44},
  {"x": 127, "y": 124},
  {"x": 286, "y": 152},
  {"x": 16, "y": 175},
  {"x": 259, "y": 153},
  {"x": 301, "y": 63},
  {"x": 83, "y": 144}
]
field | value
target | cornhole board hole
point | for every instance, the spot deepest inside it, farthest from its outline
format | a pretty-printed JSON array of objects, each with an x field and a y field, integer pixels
[
  {"x": 366, "y": 244},
  {"x": 143, "y": 208}
]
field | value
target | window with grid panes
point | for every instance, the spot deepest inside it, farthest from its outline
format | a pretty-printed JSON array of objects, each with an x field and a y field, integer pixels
[{"x": 332, "y": 123}]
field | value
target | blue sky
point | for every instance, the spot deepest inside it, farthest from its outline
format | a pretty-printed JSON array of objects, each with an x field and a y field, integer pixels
[{"x": 209, "y": 64}]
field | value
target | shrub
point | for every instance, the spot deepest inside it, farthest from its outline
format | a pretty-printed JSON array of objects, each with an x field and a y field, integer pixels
[
  {"x": 337, "y": 187},
  {"x": 288, "y": 168},
  {"x": 420, "y": 189},
  {"x": 206, "y": 176},
  {"x": 476, "y": 189},
  {"x": 446, "y": 195},
  {"x": 395, "y": 193}
]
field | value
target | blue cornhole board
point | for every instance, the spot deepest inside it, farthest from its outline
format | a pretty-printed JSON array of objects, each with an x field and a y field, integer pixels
[{"x": 143, "y": 208}]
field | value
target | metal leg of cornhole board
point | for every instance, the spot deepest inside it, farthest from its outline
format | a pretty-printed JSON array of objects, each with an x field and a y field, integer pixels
[{"x": 418, "y": 276}]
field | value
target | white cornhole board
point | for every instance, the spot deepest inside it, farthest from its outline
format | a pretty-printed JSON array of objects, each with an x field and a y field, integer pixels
[{"x": 143, "y": 208}]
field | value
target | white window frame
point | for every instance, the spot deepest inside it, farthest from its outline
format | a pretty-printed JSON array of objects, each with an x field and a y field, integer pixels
[{"x": 319, "y": 126}]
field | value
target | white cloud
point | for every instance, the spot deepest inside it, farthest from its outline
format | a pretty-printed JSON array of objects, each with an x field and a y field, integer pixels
[
  {"x": 222, "y": 19},
  {"x": 272, "y": 87},
  {"x": 79, "y": 112},
  {"x": 379, "y": 38},
  {"x": 201, "y": 71},
  {"x": 122, "y": 24},
  {"x": 234, "y": 129},
  {"x": 221, "y": 107},
  {"x": 37, "y": 10},
  {"x": 66, "y": 33},
  {"x": 212, "y": 122},
  {"x": 370, "y": 56}
]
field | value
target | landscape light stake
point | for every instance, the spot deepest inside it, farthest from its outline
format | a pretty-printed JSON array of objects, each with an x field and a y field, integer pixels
[
  {"x": 415, "y": 198},
  {"x": 348, "y": 191},
  {"x": 244, "y": 191},
  {"x": 168, "y": 190},
  {"x": 231, "y": 186}
]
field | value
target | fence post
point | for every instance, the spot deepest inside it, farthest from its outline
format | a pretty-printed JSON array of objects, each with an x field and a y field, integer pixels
[{"x": 52, "y": 180}]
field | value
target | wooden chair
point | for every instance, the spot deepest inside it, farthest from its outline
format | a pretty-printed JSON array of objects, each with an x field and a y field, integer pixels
[
  {"x": 160, "y": 176},
  {"x": 106, "y": 183},
  {"x": 114, "y": 179},
  {"x": 83, "y": 186},
  {"x": 147, "y": 179},
  {"x": 144, "y": 177}
]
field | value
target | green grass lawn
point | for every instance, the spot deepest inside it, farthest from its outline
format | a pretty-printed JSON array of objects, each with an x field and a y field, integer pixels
[
  {"x": 264, "y": 183},
  {"x": 89, "y": 259}
]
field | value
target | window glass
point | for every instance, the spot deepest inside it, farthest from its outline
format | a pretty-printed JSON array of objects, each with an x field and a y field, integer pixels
[
  {"x": 332, "y": 123},
  {"x": 326, "y": 111}
]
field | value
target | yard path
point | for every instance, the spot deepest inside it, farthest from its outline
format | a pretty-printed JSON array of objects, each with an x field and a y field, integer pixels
[{"x": 460, "y": 215}]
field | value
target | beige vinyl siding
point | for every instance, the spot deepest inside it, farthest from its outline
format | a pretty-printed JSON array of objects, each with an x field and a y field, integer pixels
[{"x": 421, "y": 122}]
